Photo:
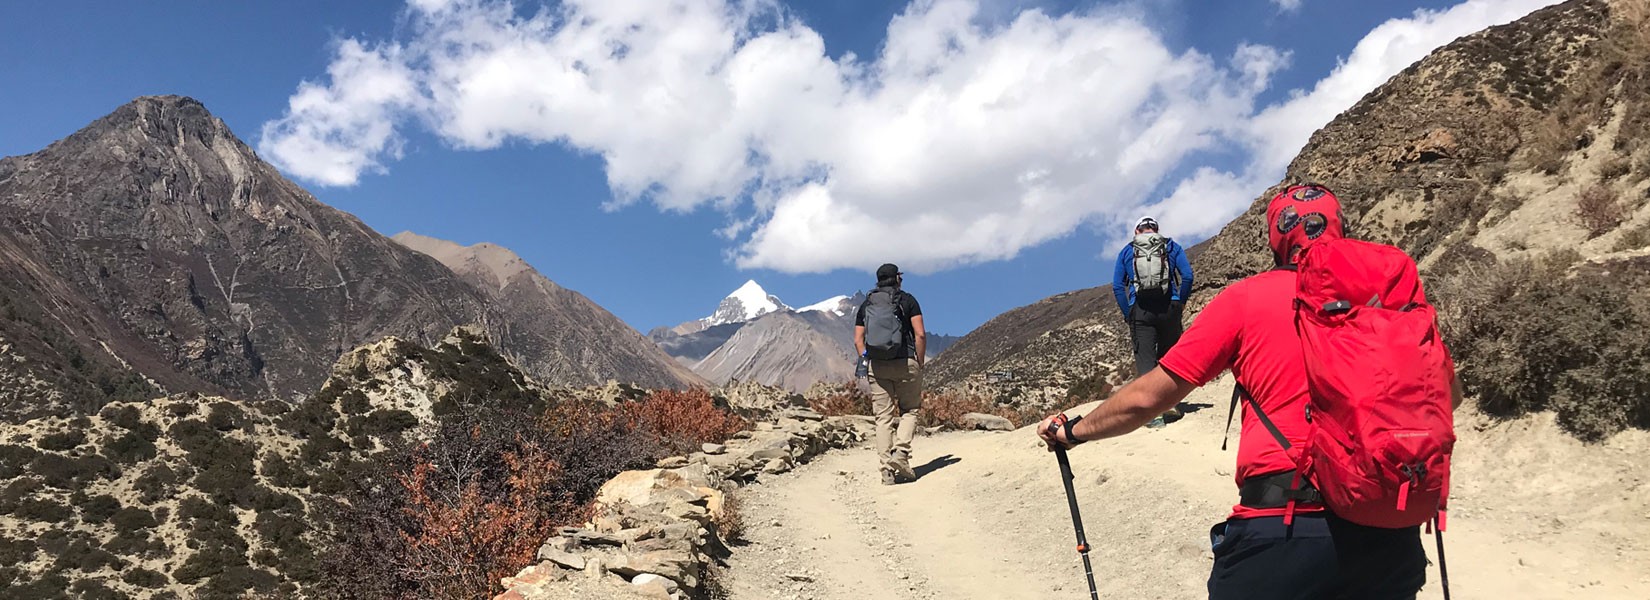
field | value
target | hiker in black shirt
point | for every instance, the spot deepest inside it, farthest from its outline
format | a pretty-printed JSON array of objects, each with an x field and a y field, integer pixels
[{"x": 889, "y": 334}]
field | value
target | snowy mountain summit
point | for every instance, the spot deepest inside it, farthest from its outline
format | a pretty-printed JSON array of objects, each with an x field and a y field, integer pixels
[{"x": 748, "y": 302}]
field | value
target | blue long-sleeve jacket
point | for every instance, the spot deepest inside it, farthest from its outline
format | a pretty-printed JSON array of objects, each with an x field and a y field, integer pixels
[{"x": 1122, "y": 279}]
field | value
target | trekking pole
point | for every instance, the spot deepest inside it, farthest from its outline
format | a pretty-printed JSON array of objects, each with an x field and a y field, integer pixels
[{"x": 1076, "y": 519}]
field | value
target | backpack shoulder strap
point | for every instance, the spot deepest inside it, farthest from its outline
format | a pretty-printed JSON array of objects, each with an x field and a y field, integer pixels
[{"x": 1237, "y": 393}]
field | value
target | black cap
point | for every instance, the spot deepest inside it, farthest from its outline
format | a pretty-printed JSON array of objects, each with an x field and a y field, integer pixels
[{"x": 888, "y": 271}]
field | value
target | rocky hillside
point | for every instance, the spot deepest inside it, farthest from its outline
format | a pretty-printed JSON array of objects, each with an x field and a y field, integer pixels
[
  {"x": 153, "y": 252},
  {"x": 194, "y": 496},
  {"x": 786, "y": 349},
  {"x": 554, "y": 333},
  {"x": 1502, "y": 146}
]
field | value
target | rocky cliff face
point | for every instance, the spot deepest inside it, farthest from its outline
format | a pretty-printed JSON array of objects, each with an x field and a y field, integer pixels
[
  {"x": 553, "y": 332},
  {"x": 153, "y": 252},
  {"x": 1507, "y": 143}
]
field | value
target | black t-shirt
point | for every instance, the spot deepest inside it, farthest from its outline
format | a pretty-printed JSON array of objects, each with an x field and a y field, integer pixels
[{"x": 908, "y": 307}]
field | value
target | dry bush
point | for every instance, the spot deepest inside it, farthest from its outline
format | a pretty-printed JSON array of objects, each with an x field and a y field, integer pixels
[
  {"x": 1599, "y": 210},
  {"x": 1533, "y": 335},
  {"x": 730, "y": 524},
  {"x": 1634, "y": 239},
  {"x": 681, "y": 421},
  {"x": 449, "y": 516},
  {"x": 847, "y": 399},
  {"x": 946, "y": 408}
]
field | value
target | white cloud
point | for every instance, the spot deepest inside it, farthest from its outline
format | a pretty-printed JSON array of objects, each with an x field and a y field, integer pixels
[
  {"x": 1288, "y": 5},
  {"x": 960, "y": 142}
]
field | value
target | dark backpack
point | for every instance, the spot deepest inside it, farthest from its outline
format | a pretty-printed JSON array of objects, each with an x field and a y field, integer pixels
[{"x": 884, "y": 325}]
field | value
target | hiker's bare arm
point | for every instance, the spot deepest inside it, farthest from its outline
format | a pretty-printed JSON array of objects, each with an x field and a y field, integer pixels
[
  {"x": 1455, "y": 393},
  {"x": 1147, "y": 396},
  {"x": 922, "y": 338},
  {"x": 859, "y": 339}
]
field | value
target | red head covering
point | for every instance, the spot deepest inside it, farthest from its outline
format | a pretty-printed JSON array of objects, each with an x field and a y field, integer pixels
[{"x": 1299, "y": 217}]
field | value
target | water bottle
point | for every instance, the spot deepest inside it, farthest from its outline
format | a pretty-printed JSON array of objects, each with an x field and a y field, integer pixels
[{"x": 863, "y": 369}]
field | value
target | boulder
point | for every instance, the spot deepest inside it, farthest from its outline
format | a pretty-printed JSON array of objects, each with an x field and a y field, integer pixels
[
  {"x": 986, "y": 422},
  {"x": 641, "y": 488},
  {"x": 713, "y": 449}
]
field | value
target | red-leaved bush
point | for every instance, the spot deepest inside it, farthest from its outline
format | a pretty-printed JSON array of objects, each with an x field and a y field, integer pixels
[{"x": 681, "y": 420}]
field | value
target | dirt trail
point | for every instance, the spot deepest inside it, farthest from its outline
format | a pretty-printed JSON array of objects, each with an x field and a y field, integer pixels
[{"x": 1536, "y": 515}]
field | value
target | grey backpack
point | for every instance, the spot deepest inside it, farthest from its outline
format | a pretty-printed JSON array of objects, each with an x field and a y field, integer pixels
[
  {"x": 1152, "y": 273},
  {"x": 884, "y": 326}
]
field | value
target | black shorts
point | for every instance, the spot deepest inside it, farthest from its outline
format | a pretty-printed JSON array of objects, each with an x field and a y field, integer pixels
[{"x": 1320, "y": 557}]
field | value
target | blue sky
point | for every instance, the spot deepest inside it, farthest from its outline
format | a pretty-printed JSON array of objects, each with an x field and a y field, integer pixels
[{"x": 624, "y": 201}]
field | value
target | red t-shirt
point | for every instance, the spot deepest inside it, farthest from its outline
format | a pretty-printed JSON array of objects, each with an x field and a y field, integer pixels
[{"x": 1250, "y": 328}]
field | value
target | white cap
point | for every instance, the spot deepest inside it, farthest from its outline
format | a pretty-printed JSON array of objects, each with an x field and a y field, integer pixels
[{"x": 1144, "y": 220}]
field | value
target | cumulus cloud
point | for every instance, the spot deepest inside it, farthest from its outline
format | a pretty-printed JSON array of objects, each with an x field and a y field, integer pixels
[{"x": 964, "y": 139}]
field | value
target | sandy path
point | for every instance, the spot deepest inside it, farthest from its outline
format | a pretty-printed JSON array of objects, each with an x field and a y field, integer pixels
[{"x": 1537, "y": 515}]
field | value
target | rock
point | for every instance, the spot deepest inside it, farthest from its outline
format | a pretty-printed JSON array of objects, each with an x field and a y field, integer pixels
[
  {"x": 662, "y": 584},
  {"x": 713, "y": 449},
  {"x": 803, "y": 414},
  {"x": 561, "y": 557},
  {"x": 676, "y": 566},
  {"x": 770, "y": 454},
  {"x": 641, "y": 488},
  {"x": 986, "y": 422},
  {"x": 776, "y": 466},
  {"x": 673, "y": 462}
]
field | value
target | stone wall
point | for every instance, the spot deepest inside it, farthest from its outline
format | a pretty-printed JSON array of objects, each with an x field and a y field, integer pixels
[{"x": 654, "y": 533}]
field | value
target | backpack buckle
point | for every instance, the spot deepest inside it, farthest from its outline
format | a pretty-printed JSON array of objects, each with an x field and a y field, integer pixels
[{"x": 1337, "y": 306}]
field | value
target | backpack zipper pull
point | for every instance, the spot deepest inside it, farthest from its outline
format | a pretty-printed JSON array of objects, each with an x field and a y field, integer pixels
[{"x": 1403, "y": 488}]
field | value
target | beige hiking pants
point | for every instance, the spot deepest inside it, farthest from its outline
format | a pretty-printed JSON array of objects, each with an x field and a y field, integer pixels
[{"x": 896, "y": 390}]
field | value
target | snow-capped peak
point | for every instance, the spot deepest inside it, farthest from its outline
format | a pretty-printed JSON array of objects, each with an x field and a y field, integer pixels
[
  {"x": 748, "y": 302},
  {"x": 836, "y": 305}
]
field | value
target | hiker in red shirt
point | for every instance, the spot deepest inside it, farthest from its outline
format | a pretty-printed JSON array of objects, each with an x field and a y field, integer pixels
[{"x": 1250, "y": 328}]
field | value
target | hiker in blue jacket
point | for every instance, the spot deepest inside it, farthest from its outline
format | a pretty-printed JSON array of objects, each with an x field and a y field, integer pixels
[{"x": 1151, "y": 282}]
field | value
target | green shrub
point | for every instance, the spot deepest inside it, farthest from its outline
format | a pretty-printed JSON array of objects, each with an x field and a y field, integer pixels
[
  {"x": 92, "y": 589},
  {"x": 50, "y": 586},
  {"x": 135, "y": 544},
  {"x": 226, "y": 416},
  {"x": 99, "y": 508},
  {"x": 133, "y": 518},
  {"x": 353, "y": 402},
  {"x": 129, "y": 448},
  {"x": 157, "y": 483},
  {"x": 1532, "y": 335},
  {"x": 66, "y": 440},
  {"x": 87, "y": 556},
  {"x": 15, "y": 552},
  {"x": 14, "y": 460},
  {"x": 144, "y": 578},
  {"x": 282, "y": 472},
  {"x": 235, "y": 581},
  {"x": 46, "y": 511},
  {"x": 207, "y": 562}
]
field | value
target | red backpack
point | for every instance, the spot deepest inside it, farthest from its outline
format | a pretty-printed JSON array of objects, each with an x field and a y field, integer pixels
[
  {"x": 1379, "y": 377},
  {"x": 1382, "y": 426}
]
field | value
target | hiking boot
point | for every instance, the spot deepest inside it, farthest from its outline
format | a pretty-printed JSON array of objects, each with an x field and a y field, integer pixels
[
  {"x": 901, "y": 463},
  {"x": 888, "y": 477},
  {"x": 1155, "y": 422}
]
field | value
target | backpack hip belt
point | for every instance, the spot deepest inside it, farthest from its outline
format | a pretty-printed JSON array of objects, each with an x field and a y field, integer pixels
[{"x": 1273, "y": 491}]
